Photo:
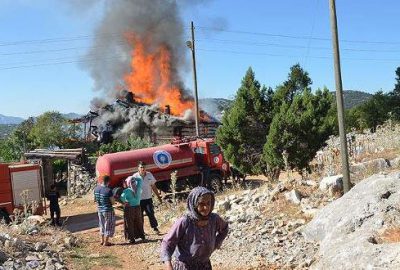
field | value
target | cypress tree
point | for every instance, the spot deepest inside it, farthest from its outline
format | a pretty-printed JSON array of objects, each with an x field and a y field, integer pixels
[{"x": 245, "y": 125}]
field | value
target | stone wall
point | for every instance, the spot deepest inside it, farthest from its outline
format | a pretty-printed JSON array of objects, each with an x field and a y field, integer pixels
[{"x": 80, "y": 181}]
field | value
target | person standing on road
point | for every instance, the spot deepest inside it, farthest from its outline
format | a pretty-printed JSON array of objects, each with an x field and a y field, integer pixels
[
  {"x": 103, "y": 196},
  {"x": 146, "y": 202},
  {"x": 53, "y": 197},
  {"x": 195, "y": 236},
  {"x": 133, "y": 220}
]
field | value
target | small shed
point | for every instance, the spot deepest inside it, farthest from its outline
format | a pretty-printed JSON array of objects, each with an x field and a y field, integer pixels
[{"x": 44, "y": 157}]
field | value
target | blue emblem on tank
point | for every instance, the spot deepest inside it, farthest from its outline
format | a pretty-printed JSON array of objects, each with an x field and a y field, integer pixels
[{"x": 162, "y": 159}]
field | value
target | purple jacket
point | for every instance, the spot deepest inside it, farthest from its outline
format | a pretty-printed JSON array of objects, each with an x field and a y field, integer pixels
[{"x": 191, "y": 243}]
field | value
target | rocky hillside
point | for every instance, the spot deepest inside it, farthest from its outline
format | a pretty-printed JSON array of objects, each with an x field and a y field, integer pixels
[{"x": 355, "y": 239}]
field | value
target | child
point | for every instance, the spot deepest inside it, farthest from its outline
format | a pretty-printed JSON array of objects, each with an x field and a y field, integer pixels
[
  {"x": 195, "y": 236},
  {"x": 53, "y": 196}
]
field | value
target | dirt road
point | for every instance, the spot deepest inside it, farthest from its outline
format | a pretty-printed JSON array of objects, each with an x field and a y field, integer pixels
[{"x": 80, "y": 217}]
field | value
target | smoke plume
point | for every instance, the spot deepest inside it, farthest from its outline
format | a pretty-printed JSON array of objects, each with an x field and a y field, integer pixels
[{"x": 110, "y": 56}]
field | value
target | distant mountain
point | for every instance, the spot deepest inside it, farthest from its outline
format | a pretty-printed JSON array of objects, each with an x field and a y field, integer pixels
[
  {"x": 10, "y": 120},
  {"x": 71, "y": 115},
  {"x": 352, "y": 98},
  {"x": 214, "y": 106}
]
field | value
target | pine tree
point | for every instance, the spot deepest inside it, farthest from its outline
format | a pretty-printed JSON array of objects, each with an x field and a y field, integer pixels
[
  {"x": 396, "y": 90},
  {"x": 302, "y": 123},
  {"x": 395, "y": 97},
  {"x": 245, "y": 125}
]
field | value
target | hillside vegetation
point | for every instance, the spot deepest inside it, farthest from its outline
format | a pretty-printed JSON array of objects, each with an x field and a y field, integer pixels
[
  {"x": 6, "y": 130},
  {"x": 353, "y": 98}
]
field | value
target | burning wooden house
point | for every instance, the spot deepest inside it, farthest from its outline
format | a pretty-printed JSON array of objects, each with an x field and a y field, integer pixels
[
  {"x": 127, "y": 117},
  {"x": 150, "y": 65}
]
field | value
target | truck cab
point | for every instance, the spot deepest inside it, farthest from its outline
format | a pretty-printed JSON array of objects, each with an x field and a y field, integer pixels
[{"x": 211, "y": 162}]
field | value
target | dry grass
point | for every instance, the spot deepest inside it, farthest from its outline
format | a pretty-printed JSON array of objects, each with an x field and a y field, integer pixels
[
  {"x": 82, "y": 259},
  {"x": 387, "y": 154},
  {"x": 281, "y": 206},
  {"x": 391, "y": 235}
]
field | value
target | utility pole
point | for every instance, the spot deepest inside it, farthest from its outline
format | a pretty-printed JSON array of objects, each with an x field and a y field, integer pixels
[
  {"x": 190, "y": 44},
  {"x": 339, "y": 98}
]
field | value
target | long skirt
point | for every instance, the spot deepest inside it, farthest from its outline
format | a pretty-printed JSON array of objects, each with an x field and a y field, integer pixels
[
  {"x": 133, "y": 223},
  {"x": 178, "y": 265}
]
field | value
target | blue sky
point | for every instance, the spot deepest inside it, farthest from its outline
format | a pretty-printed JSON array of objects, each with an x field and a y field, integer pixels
[{"x": 41, "y": 44}]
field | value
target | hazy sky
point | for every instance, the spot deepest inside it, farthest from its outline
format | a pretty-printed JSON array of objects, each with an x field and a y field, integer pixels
[{"x": 42, "y": 43}]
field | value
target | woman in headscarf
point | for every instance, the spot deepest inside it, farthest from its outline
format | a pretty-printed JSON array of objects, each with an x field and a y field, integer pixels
[
  {"x": 133, "y": 220},
  {"x": 195, "y": 236}
]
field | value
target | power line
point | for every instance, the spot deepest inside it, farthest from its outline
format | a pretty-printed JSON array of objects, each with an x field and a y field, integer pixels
[
  {"x": 224, "y": 41},
  {"x": 203, "y": 28},
  {"x": 55, "y": 50},
  {"x": 51, "y": 40},
  {"x": 293, "y": 36},
  {"x": 57, "y": 59},
  {"x": 262, "y": 44},
  {"x": 287, "y": 55},
  {"x": 44, "y": 51},
  {"x": 312, "y": 33},
  {"x": 27, "y": 65},
  {"x": 57, "y": 63}
]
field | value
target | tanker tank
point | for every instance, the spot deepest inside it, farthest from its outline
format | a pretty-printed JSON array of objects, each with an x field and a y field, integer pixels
[{"x": 160, "y": 160}]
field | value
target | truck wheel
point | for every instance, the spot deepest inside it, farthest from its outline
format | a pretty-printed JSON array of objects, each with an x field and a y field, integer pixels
[
  {"x": 215, "y": 182},
  {"x": 4, "y": 217}
]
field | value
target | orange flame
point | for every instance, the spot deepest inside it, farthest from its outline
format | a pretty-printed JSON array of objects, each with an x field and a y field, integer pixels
[{"x": 150, "y": 78}]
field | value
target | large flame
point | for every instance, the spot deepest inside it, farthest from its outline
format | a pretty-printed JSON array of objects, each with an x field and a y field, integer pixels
[{"x": 151, "y": 79}]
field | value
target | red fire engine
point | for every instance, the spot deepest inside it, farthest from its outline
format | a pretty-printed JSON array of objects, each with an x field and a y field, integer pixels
[
  {"x": 14, "y": 179},
  {"x": 197, "y": 162}
]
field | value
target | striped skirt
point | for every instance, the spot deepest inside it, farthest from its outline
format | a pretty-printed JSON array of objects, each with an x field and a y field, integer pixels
[
  {"x": 107, "y": 223},
  {"x": 178, "y": 265},
  {"x": 133, "y": 223}
]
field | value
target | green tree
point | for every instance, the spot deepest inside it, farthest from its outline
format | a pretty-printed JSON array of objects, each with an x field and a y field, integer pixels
[
  {"x": 394, "y": 102},
  {"x": 132, "y": 143},
  {"x": 297, "y": 81},
  {"x": 19, "y": 142},
  {"x": 396, "y": 90},
  {"x": 352, "y": 117},
  {"x": 245, "y": 125},
  {"x": 50, "y": 130},
  {"x": 375, "y": 111},
  {"x": 302, "y": 123}
]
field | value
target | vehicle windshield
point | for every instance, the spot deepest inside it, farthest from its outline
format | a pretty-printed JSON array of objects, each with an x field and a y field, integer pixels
[{"x": 214, "y": 149}]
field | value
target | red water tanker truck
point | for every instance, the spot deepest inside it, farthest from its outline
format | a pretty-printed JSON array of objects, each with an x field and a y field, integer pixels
[{"x": 197, "y": 162}]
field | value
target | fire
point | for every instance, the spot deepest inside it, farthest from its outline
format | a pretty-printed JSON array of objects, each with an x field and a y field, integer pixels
[{"x": 151, "y": 77}]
